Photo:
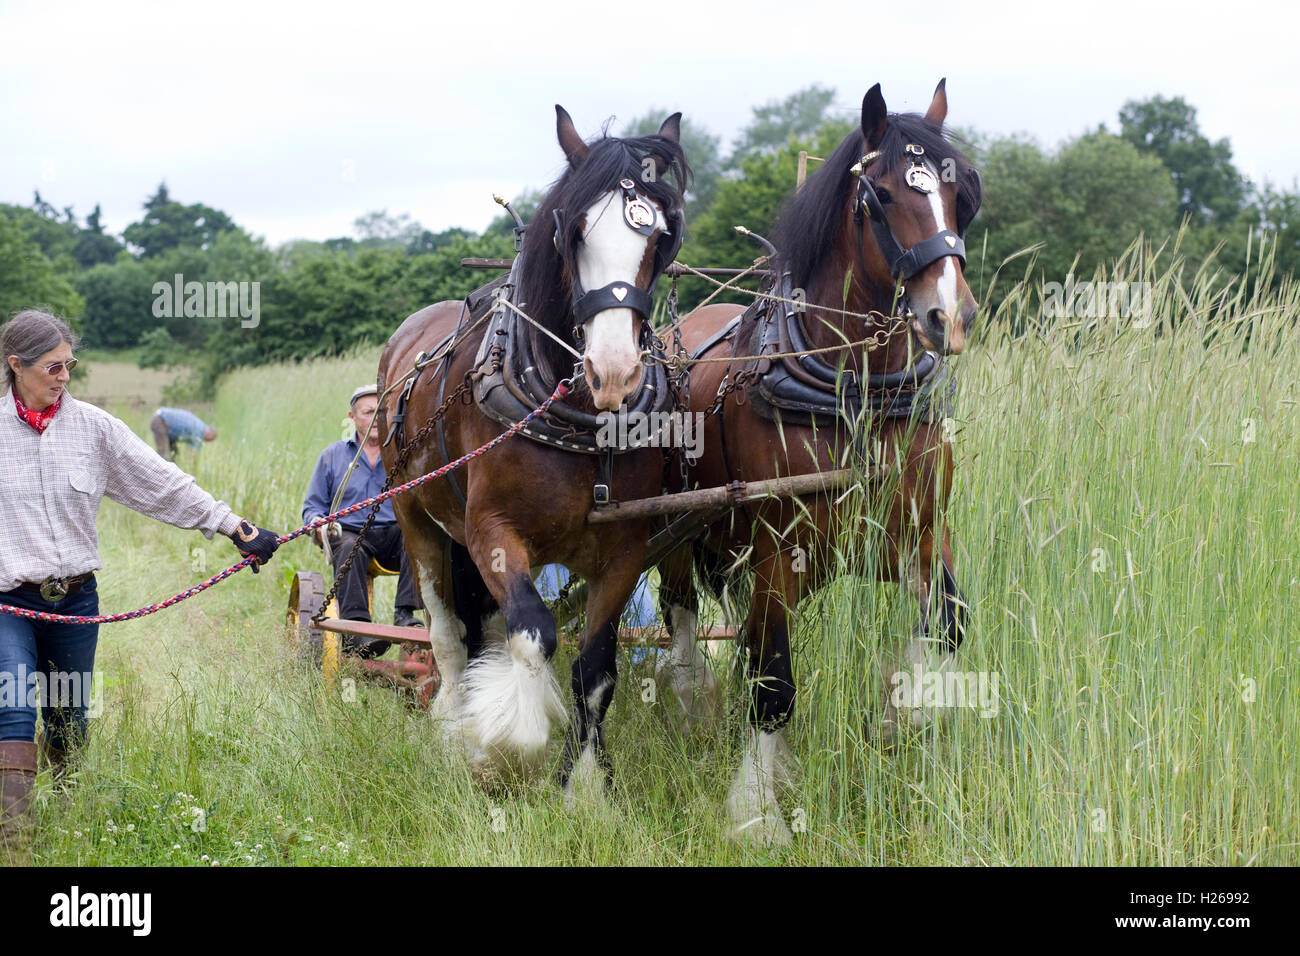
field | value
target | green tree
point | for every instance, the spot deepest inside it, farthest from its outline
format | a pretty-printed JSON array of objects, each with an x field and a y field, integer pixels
[
  {"x": 752, "y": 200},
  {"x": 168, "y": 224},
  {"x": 380, "y": 230},
  {"x": 93, "y": 246},
  {"x": 119, "y": 301},
  {"x": 1087, "y": 203},
  {"x": 800, "y": 115},
  {"x": 28, "y": 278},
  {"x": 1209, "y": 187}
]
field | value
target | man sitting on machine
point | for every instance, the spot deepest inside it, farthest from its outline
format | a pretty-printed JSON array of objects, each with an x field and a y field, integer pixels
[{"x": 349, "y": 471}]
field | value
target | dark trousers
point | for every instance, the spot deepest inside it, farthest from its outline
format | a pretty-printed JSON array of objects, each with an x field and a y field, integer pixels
[
  {"x": 160, "y": 437},
  {"x": 384, "y": 543}
]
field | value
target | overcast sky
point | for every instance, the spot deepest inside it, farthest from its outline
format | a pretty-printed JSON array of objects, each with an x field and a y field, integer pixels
[{"x": 297, "y": 118}]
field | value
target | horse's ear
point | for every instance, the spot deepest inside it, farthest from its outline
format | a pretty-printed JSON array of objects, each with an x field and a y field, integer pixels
[
  {"x": 938, "y": 111},
  {"x": 574, "y": 148},
  {"x": 671, "y": 128},
  {"x": 875, "y": 117}
]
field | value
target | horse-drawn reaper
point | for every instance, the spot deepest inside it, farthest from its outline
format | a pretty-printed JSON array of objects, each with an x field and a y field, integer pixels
[{"x": 580, "y": 288}]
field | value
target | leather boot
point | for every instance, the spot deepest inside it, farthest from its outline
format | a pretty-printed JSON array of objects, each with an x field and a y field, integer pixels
[{"x": 17, "y": 780}]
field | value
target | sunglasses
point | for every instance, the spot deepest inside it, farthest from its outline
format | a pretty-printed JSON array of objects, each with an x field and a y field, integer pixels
[{"x": 57, "y": 367}]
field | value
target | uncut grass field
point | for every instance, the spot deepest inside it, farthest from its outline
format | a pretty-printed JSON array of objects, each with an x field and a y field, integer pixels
[{"x": 1126, "y": 531}]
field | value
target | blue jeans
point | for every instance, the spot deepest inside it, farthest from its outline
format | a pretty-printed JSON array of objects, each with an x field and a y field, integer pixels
[
  {"x": 56, "y": 658},
  {"x": 638, "y": 612}
]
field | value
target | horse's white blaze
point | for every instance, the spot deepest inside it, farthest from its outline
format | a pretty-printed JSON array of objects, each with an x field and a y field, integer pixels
[
  {"x": 612, "y": 252},
  {"x": 752, "y": 803},
  {"x": 445, "y": 635},
  {"x": 511, "y": 699},
  {"x": 686, "y": 670},
  {"x": 947, "y": 285}
]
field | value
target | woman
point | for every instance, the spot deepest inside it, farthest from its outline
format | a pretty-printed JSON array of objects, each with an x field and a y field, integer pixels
[{"x": 60, "y": 457}]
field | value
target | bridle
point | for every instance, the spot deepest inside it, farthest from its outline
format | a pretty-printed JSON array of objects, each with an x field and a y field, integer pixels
[
  {"x": 639, "y": 216},
  {"x": 920, "y": 176}
]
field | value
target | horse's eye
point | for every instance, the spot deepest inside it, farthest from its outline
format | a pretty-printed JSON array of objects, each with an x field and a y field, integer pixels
[{"x": 883, "y": 195}]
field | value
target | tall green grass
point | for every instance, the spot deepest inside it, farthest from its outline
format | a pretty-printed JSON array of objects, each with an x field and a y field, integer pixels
[{"x": 1125, "y": 531}]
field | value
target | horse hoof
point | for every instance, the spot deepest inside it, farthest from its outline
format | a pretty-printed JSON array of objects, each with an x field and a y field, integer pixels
[{"x": 768, "y": 830}]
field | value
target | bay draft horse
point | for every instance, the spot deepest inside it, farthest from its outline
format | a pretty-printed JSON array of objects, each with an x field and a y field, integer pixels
[
  {"x": 607, "y": 225},
  {"x": 889, "y": 207}
]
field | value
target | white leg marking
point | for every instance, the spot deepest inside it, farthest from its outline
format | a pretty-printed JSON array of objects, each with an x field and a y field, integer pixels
[
  {"x": 691, "y": 682},
  {"x": 586, "y": 783},
  {"x": 445, "y": 634},
  {"x": 511, "y": 699},
  {"x": 752, "y": 803},
  {"x": 911, "y": 700}
]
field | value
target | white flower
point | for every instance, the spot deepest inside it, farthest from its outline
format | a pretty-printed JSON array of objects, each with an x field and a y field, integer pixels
[
  {"x": 216, "y": 862},
  {"x": 130, "y": 828},
  {"x": 204, "y": 858},
  {"x": 257, "y": 846},
  {"x": 176, "y": 846},
  {"x": 77, "y": 834}
]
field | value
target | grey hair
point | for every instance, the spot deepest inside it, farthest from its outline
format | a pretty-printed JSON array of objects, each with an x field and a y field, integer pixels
[{"x": 29, "y": 335}]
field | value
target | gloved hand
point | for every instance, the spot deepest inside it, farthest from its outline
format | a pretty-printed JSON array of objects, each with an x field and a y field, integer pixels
[
  {"x": 333, "y": 529},
  {"x": 255, "y": 541}
]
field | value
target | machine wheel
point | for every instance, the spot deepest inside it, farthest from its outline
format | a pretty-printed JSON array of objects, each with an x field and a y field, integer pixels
[{"x": 310, "y": 644}]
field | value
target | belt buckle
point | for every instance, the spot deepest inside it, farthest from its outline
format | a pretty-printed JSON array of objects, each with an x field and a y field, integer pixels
[{"x": 54, "y": 589}]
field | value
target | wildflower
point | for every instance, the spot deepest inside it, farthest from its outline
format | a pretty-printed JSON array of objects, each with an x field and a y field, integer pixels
[
  {"x": 176, "y": 846},
  {"x": 76, "y": 834},
  {"x": 249, "y": 859},
  {"x": 204, "y": 858},
  {"x": 257, "y": 846},
  {"x": 216, "y": 862}
]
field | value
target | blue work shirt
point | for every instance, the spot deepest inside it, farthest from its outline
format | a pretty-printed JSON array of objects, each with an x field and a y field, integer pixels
[
  {"x": 366, "y": 482},
  {"x": 640, "y": 609},
  {"x": 183, "y": 426}
]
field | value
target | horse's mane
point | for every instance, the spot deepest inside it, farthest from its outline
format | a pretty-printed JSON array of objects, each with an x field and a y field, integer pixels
[
  {"x": 810, "y": 222},
  {"x": 546, "y": 287}
]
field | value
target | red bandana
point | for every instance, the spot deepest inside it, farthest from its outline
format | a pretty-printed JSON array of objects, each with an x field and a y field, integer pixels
[{"x": 38, "y": 420}]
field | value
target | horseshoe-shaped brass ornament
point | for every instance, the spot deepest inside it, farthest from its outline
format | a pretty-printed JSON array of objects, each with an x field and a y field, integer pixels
[
  {"x": 922, "y": 179},
  {"x": 638, "y": 213}
]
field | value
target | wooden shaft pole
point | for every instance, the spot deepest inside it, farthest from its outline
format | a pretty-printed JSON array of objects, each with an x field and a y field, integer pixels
[{"x": 706, "y": 498}]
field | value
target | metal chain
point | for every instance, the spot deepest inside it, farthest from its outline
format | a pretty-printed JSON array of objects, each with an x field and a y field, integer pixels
[
  {"x": 398, "y": 466},
  {"x": 679, "y": 379}
]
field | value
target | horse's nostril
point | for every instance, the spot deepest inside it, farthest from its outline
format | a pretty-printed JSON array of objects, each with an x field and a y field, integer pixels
[{"x": 592, "y": 378}]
